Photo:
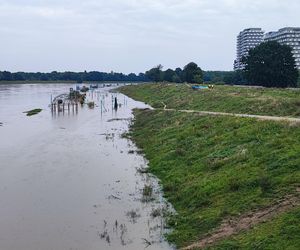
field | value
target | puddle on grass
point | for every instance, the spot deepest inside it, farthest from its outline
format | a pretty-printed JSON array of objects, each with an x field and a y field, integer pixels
[{"x": 69, "y": 180}]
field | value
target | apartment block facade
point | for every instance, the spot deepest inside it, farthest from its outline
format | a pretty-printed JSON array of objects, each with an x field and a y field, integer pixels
[
  {"x": 287, "y": 36},
  {"x": 250, "y": 38},
  {"x": 246, "y": 40}
]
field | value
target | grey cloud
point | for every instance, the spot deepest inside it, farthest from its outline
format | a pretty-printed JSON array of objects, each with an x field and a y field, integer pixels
[{"x": 131, "y": 35}]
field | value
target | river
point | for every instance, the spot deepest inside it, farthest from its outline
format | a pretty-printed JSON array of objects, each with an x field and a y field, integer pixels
[{"x": 70, "y": 180}]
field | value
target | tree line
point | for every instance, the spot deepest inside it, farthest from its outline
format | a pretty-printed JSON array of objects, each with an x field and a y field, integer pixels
[
  {"x": 190, "y": 73},
  {"x": 177, "y": 75},
  {"x": 72, "y": 76},
  {"x": 270, "y": 64}
]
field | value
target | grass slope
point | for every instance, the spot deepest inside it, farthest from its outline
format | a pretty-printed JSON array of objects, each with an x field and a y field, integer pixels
[
  {"x": 215, "y": 167},
  {"x": 276, "y": 102}
]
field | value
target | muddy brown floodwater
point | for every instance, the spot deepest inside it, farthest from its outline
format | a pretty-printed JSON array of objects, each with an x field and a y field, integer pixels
[{"x": 69, "y": 180}]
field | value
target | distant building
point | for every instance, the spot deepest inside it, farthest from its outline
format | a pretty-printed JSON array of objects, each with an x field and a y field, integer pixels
[
  {"x": 246, "y": 40},
  {"x": 287, "y": 36}
]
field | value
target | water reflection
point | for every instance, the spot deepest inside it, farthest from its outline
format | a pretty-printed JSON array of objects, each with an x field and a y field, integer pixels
[{"x": 70, "y": 180}]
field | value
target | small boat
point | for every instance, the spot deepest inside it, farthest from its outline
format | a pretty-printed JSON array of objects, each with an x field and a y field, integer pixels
[
  {"x": 199, "y": 87},
  {"x": 94, "y": 86}
]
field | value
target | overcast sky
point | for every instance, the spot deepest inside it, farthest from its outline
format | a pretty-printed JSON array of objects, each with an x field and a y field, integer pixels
[{"x": 131, "y": 35}]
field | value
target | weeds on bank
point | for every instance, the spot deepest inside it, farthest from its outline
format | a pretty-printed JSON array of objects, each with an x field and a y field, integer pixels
[{"x": 33, "y": 112}]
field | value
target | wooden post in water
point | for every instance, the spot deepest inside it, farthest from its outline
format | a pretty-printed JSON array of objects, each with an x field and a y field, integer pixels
[
  {"x": 51, "y": 103},
  {"x": 116, "y": 103}
]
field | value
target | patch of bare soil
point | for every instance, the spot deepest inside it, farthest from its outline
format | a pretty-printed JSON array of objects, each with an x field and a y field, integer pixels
[{"x": 245, "y": 222}]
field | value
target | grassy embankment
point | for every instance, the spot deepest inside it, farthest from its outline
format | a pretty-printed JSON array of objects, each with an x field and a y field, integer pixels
[
  {"x": 212, "y": 168},
  {"x": 276, "y": 102}
]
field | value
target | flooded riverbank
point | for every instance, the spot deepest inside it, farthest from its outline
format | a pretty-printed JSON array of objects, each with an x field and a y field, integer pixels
[{"x": 69, "y": 180}]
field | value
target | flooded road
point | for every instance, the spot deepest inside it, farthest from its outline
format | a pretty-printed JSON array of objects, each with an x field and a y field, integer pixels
[{"x": 69, "y": 180}]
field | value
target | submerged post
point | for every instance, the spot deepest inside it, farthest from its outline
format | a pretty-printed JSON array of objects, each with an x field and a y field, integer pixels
[{"x": 116, "y": 103}]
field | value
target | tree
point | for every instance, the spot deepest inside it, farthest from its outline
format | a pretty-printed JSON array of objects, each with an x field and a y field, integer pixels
[
  {"x": 155, "y": 74},
  {"x": 168, "y": 75},
  {"x": 235, "y": 77},
  {"x": 192, "y": 73},
  {"x": 198, "y": 78},
  {"x": 271, "y": 65},
  {"x": 18, "y": 76},
  {"x": 6, "y": 76},
  {"x": 178, "y": 76}
]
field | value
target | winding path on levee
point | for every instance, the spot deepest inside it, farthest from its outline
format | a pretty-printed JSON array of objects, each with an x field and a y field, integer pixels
[{"x": 258, "y": 117}]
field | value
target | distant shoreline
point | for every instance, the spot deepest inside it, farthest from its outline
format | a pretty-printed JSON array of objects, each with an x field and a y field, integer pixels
[
  {"x": 32, "y": 82},
  {"x": 63, "y": 82}
]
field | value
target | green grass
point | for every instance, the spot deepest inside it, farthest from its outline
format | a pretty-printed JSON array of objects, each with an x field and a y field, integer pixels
[
  {"x": 275, "y": 102},
  {"x": 280, "y": 233},
  {"x": 215, "y": 167}
]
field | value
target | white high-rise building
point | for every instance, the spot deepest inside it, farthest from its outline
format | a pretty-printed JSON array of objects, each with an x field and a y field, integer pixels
[
  {"x": 246, "y": 40},
  {"x": 287, "y": 36}
]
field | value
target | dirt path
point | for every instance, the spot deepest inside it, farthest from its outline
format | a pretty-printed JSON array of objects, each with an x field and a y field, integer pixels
[
  {"x": 245, "y": 222},
  {"x": 259, "y": 117}
]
